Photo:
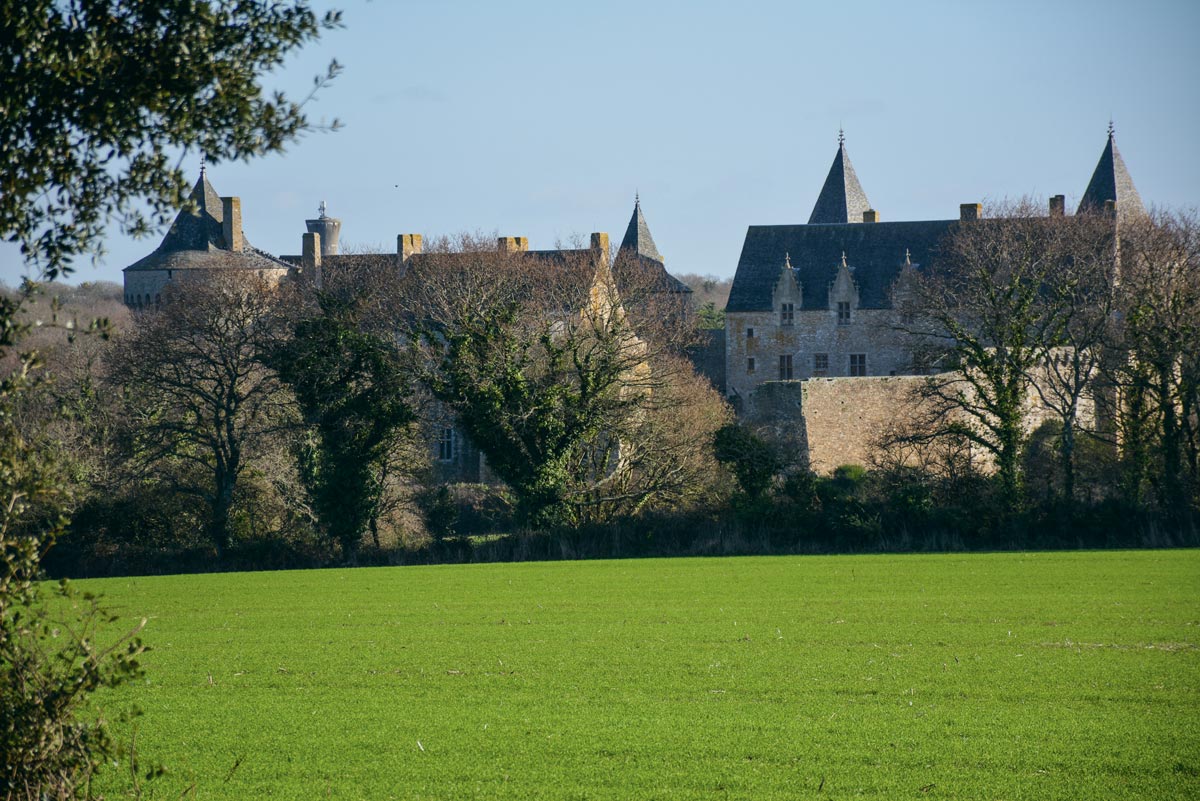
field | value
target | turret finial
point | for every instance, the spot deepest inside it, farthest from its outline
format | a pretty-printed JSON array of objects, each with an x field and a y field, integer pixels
[
  {"x": 907, "y": 258},
  {"x": 841, "y": 136},
  {"x": 203, "y": 161},
  {"x": 787, "y": 260},
  {"x": 843, "y": 258},
  {"x": 1111, "y": 128},
  {"x": 321, "y": 209}
]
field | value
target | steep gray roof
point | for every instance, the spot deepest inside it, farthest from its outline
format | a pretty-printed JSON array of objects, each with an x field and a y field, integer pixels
[
  {"x": 637, "y": 235},
  {"x": 1111, "y": 181},
  {"x": 875, "y": 253},
  {"x": 638, "y": 256},
  {"x": 196, "y": 240},
  {"x": 842, "y": 199}
]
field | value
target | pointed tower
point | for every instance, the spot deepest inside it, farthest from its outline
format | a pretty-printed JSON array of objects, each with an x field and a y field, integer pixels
[
  {"x": 842, "y": 199},
  {"x": 637, "y": 235},
  {"x": 1111, "y": 181}
]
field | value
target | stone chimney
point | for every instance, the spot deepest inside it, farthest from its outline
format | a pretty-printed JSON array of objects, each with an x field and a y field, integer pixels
[
  {"x": 512, "y": 244},
  {"x": 870, "y": 216},
  {"x": 1058, "y": 206},
  {"x": 600, "y": 242},
  {"x": 231, "y": 223},
  {"x": 969, "y": 212},
  {"x": 329, "y": 228},
  {"x": 310, "y": 259},
  {"x": 407, "y": 245}
]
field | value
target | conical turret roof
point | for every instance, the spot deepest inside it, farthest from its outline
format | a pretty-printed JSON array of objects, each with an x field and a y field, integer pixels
[
  {"x": 842, "y": 199},
  {"x": 1111, "y": 181},
  {"x": 197, "y": 238},
  {"x": 637, "y": 235}
]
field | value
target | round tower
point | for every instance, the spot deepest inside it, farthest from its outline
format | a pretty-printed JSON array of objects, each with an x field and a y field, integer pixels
[{"x": 329, "y": 228}]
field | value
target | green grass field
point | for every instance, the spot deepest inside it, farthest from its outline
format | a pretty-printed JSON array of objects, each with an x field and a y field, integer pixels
[{"x": 995, "y": 676}]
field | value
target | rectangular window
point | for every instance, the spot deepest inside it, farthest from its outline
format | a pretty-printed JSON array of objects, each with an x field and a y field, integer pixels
[
  {"x": 446, "y": 445},
  {"x": 858, "y": 364},
  {"x": 843, "y": 312},
  {"x": 749, "y": 333},
  {"x": 820, "y": 364},
  {"x": 750, "y": 365},
  {"x": 787, "y": 314},
  {"x": 785, "y": 367}
]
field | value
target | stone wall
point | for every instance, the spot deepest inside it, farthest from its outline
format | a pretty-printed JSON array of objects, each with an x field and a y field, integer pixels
[
  {"x": 870, "y": 331},
  {"x": 822, "y": 423}
]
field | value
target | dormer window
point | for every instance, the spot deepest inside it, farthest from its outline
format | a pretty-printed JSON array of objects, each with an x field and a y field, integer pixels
[
  {"x": 787, "y": 314},
  {"x": 843, "y": 312}
]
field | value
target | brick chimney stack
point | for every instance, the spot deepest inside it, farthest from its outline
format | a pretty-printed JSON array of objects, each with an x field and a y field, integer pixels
[
  {"x": 969, "y": 212},
  {"x": 1058, "y": 206},
  {"x": 870, "y": 216},
  {"x": 310, "y": 259},
  {"x": 512, "y": 244},
  {"x": 231, "y": 223},
  {"x": 407, "y": 245}
]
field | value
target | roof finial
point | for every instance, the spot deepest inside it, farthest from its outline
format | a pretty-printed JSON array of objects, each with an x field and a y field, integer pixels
[
  {"x": 1111, "y": 129},
  {"x": 637, "y": 198},
  {"x": 843, "y": 258},
  {"x": 841, "y": 136},
  {"x": 907, "y": 258},
  {"x": 203, "y": 159},
  {"x": 321, "y": 209},
  {"x": 787, "y": 260}
]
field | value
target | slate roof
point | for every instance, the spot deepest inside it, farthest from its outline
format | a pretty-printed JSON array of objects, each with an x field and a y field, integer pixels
[
  {"x": 196, "y": 240},
  {"x": 639, "y": 253},
  {"x": 875, "y": 253},
  {"x": 842, "y": 199},
  {"x": 637, "y": 235},
  {"x": 1111, "y": 181}
]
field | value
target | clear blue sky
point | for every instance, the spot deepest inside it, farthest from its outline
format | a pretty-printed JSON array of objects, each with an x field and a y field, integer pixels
[{"x": 542, "y": 119}]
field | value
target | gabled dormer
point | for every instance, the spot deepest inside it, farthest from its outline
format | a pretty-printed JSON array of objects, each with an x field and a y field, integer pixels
[
  {"x": 787, "y": 294},
  {"x": 843, "y": 294},
  {"x": 903, "y": 289}
]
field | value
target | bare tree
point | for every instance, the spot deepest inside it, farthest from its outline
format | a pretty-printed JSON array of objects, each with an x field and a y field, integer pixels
[
  {"x": 985, "y": 304},
  {"x": 1157, "y": 368},
  {"x": 198, "y": 390}
]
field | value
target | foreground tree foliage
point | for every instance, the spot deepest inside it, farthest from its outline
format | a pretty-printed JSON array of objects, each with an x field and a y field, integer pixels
[
  {"x": 549, "y": 371},
  {"x": 99, "y": 98},
  {"x": 50, "y": 661}
]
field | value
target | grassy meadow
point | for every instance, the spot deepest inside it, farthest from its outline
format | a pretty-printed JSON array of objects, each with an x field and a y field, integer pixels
[{"x": 988, "y": 676}]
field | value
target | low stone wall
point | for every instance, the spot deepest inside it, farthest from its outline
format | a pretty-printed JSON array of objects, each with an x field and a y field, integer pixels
[{"x": 845, "y": 417}]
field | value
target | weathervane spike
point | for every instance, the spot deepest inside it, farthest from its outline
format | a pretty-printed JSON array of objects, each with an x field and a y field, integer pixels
[
  {"x": 1111, "y": 128},
  {"x": 841, "y": 136},
  {"x": 203, "y": 160}
]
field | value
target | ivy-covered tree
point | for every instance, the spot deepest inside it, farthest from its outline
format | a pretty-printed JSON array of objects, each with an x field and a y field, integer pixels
[
  {"x": 546, "y": 367},
  {"x": 353, "y": 392}
]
